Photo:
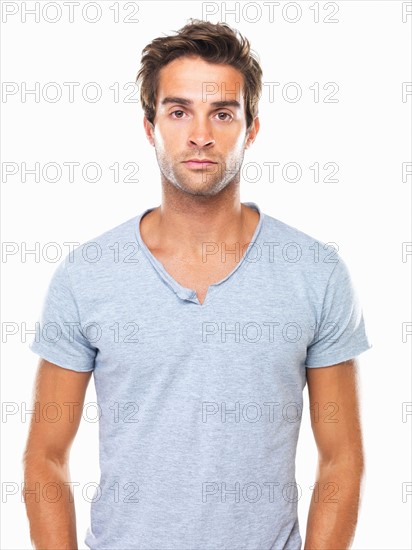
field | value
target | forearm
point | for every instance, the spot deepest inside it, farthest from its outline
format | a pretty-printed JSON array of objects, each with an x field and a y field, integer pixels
[
  {"x": 49, "y": 504},
  {"x": 331, "y": 525}
]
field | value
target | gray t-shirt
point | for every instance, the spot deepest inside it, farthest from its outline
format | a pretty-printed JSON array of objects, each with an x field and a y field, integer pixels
[{"x": 200, "y": 404}]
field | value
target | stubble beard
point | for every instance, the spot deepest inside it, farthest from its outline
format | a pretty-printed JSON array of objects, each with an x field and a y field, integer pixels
[{"x": 206, "y": 183}]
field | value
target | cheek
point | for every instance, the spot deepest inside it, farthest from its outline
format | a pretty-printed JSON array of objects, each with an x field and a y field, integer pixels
[
  {"x": 159, "y": 139},
  {"x": 236, "y": 146},
  {"x": 231, "y": 138},
  {"x": 165, "y": 139}
]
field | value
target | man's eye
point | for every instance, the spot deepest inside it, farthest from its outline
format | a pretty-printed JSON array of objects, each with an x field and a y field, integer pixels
[
  {"x": 225, "y": 114},
  {"x": 178, "y": 111}
]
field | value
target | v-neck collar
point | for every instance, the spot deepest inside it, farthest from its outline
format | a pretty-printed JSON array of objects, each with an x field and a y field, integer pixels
[{"x": 188, "y": 293}]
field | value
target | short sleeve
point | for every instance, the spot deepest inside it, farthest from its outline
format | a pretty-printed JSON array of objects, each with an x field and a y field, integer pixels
[
  {"x": 59, "y": 338},
  {"x": 340, "y": 334}
]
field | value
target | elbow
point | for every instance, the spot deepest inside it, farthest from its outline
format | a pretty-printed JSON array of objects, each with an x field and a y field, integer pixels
[{"x": 352, "y": 463}]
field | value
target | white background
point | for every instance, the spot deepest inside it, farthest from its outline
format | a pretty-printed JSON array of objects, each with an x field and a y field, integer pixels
[{"x": 367, "y": 212}]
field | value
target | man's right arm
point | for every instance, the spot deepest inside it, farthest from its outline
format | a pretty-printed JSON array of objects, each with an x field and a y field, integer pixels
[{"x": 46, "y": 456}]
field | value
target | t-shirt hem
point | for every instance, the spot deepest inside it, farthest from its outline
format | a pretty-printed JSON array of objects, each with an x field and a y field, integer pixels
[
  {"x": 336, "y": 357},
  {"x": 45, "y": 354}
]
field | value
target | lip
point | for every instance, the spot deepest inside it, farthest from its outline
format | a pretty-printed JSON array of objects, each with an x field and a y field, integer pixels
[{"x": 196, "y": 163}]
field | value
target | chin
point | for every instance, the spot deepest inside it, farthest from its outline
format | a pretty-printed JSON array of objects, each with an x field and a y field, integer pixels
[
  {"x": 199, "y": 191},
  {"x": 205, "y": 189}
]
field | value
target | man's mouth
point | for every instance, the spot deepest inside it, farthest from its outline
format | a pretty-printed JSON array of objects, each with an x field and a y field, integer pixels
[{"x": 199, "y": 163}]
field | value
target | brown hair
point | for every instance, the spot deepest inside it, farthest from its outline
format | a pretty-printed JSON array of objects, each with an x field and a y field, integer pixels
[{"x": 214, "y": 42}]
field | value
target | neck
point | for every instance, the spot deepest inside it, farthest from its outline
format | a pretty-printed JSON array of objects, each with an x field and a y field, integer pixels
[{"x": 184, "y": 223}]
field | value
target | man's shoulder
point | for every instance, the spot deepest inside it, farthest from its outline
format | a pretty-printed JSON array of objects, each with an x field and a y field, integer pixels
[
  {"x": 120, "y": 231},
  {"x": 105, "y": 245},
  {"x": 282, "y": 231},
  {"x": 298, "y": 252}
]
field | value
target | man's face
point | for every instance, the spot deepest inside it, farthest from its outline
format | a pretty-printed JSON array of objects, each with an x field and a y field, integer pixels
[{"x": 200, "y": 114}]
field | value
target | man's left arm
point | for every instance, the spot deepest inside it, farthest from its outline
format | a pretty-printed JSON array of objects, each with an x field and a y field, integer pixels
[{"x": 335, "y": 419}]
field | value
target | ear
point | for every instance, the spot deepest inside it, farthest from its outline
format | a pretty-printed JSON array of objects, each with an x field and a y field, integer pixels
[
  {"x": 252, "y": 132},
  {"x": 148, "y": 128}
]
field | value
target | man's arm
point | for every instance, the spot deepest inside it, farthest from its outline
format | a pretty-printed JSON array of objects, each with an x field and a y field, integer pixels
[
  {"x": 46, "y": 456},
  {"x": 334, "y": 405}
]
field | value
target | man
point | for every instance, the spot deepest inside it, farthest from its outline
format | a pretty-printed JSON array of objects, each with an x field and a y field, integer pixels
[{"x": 202, "y": 320}]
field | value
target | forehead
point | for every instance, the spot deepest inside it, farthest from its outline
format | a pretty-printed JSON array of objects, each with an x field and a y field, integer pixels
[{"x": 198, "y": 80}]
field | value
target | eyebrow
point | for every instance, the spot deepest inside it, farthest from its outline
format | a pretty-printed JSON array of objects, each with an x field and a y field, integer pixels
[{"x": 184, "y": 101}]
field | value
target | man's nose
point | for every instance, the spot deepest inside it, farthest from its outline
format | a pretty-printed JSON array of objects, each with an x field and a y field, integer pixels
[{"x": 200, "y": 134}]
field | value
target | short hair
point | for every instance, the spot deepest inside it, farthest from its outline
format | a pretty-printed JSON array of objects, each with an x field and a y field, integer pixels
[{"x": 215, "y": 43}]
